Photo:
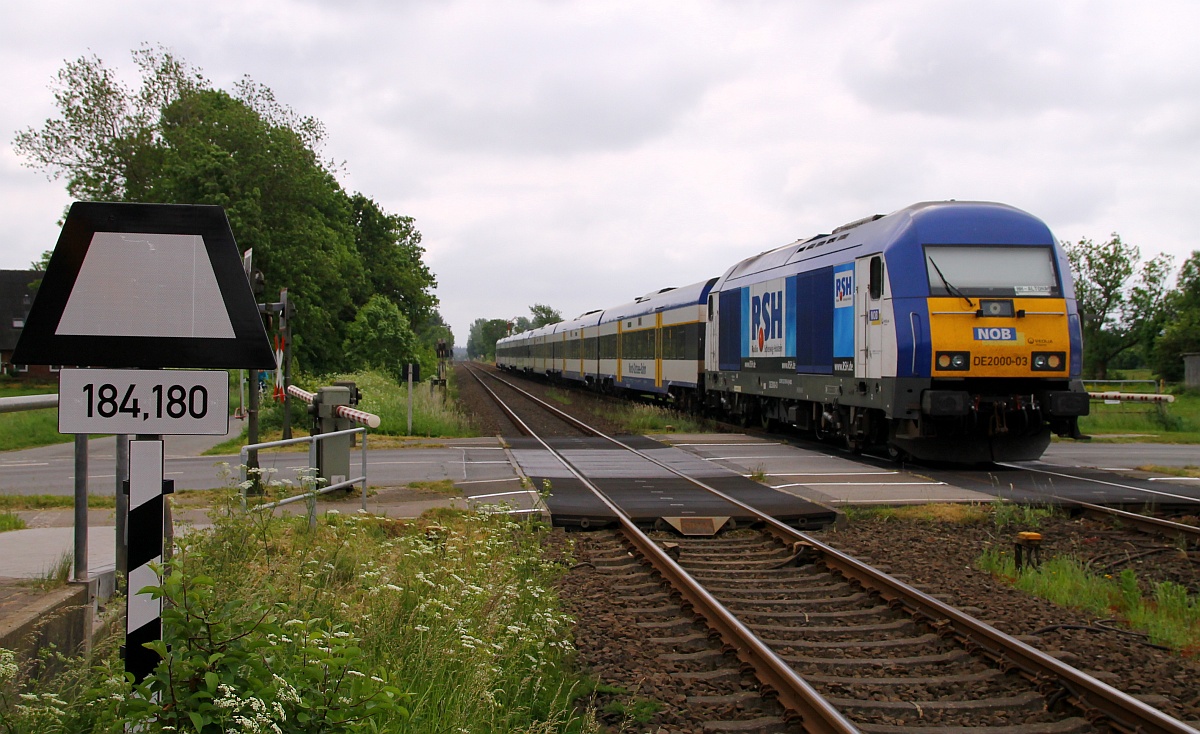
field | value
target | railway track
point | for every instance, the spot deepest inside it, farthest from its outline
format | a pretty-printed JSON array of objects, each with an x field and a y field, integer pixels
[{"x": 841, "y": 646}]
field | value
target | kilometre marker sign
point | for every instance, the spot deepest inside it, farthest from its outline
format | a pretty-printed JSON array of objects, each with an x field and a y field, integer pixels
[{"x": 174, "y": 402}]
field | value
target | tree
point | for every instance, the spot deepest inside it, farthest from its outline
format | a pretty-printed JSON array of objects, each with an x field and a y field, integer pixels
[
  {"x": 1182, "y": 334},
  {"x": 481, "y": 343},
  {"x": 392, "y": 246},
  {"x": 380, "y": 338},
  {"x": 544, "y": 315},
  {"x": 1120, "y": 299},
  {"x": 178, "y": 140}
]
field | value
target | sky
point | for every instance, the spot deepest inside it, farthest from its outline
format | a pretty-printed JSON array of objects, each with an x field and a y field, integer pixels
[{"x": 582, "y": 153}]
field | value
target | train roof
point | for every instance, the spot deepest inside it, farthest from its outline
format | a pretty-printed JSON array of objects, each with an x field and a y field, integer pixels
[
  {"x": 943, "y": 222},
  {"x": 662, "y": 300}
]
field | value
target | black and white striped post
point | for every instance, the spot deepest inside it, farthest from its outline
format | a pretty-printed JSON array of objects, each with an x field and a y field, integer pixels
[{"x": 145, "y": 528}]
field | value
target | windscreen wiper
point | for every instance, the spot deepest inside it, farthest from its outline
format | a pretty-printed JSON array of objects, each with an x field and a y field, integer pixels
[{"x": 949, "y": 288}]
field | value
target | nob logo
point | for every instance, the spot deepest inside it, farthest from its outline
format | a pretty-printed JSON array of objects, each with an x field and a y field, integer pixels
[{"x": 995, "y": 334}]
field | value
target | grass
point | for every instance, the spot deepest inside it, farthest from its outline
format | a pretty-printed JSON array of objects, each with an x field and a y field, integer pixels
[
  {"x": 1001, "y": 513},
  {"x": 10, "y": 502},
  {"x": 1168, "y": 615},
  {"x": 561, "y": 397},
  {"x": 447, "y": 623},
  {"x": 953, "y": 513},
  {"x": 1021, "y": 516},
  {"x": 1178, "y": 422},
  {"x": 434, "y": 414},
  {"x": 29, "y": 429},
  {"x": 442, "y": 486},
  {"x": 10, "y": 521},
  {"x": 640, "y": 418}
]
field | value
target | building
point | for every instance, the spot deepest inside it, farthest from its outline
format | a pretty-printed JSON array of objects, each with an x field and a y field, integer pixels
[{"x": 16, "y": 297}]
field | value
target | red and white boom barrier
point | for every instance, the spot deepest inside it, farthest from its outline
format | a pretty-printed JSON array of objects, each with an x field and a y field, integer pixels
[
  {"x": 353, "y": 415},
  {"x": 1132, "y": 397}
]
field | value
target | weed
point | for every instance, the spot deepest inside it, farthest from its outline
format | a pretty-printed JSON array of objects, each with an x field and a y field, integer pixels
[
  {"x": 1169, "y": 616},
  {"x": 559, "y": 396},
  {"x": 10, "y": 521},
  {"x": 758, "y": 474},
  {"x": 52, "y": 501},
  {"x": 640, "y": 710},
  {"x": 446, "y": 623},
  {"x": 442, "y": 486},
  {"x": 640, "y": 418},
  {"x": 956, "y": 513},
  {"x": 1007, "y": 514}
]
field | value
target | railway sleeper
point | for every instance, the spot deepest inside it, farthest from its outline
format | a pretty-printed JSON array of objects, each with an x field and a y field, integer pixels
[
  {"x": 689, "y": 642},
  {"x": 918, "y": 641},
  {"x": 760, "y": 725},
  {"x": 1028, "y": 701},
  {"x": 872, "y": 612},
  {"x": 1074, "y": 725},
  {"x": 897, "y": 625}
]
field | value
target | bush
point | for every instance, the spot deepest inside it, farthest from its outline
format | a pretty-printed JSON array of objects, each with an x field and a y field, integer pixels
[{"x": 362, "y": 624}]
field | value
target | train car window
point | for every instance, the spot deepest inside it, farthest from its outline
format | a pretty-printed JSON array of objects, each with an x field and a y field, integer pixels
[
  {"x": 876, "y": 285},
  {"x": 992, "y": 270},
  {"x": 710, "y": 307}
]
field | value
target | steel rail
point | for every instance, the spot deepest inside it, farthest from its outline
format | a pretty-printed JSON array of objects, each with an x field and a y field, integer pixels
[
  {"x": 778, "y": 678},
  {"x": 1152, "y": 525},
  {"x": 1093, "y": 696}
]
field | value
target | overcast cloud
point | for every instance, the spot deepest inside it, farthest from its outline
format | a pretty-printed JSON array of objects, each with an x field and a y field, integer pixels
[{"x": 580, "y": 154}]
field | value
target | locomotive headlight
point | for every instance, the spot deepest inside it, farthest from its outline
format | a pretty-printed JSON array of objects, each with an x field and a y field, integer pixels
[
  {"x": 989, "y": 307},
  {"x": 1048, "y": 361},
  {"x": 953, "y": 361}
]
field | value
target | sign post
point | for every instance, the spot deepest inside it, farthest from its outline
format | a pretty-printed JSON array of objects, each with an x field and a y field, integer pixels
[{"x": 140, "y": 290}]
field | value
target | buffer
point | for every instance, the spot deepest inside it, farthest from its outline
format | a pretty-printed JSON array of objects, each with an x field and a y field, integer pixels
[{"x": 146, "y": 286}]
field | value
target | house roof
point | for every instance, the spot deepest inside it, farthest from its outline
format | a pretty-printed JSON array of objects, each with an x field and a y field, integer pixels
[{"x": 15, "y": 299}]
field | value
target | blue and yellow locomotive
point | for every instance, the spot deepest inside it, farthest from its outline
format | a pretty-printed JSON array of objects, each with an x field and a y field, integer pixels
[{"x": 944, "y": 331}]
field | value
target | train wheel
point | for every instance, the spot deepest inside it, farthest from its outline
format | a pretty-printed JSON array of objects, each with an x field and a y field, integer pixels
[{"x": 897, "y": 454}]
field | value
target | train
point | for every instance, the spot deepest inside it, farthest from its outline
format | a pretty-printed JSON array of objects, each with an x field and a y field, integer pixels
[{"x": 946, "y": 331}]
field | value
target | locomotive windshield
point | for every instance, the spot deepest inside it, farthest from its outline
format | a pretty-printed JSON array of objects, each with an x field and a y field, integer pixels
[{"x": 982, "y": 270}]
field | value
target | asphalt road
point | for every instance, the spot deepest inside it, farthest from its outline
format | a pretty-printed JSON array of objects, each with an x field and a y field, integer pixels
[{"x": 50, "y": 469}]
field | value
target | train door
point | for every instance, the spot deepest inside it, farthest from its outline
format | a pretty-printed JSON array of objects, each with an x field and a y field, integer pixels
[
  {"x": 711, "y": 357},
  {"x": 869, "y": 312},
  {"x": 658, "y": 350}
]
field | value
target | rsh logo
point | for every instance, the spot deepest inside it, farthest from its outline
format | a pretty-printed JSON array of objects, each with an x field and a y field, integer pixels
[
  {"x": 995, "y": 334},
  {"x": 767, "y": 316},
  {"x": 843, "y": 289}
]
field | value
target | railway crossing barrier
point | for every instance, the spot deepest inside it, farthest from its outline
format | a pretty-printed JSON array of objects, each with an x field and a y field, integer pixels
[{"x": 329, "y": 445}]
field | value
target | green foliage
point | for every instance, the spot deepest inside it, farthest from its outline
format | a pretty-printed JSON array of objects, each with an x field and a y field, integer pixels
[
  {"x": 1019, "y": 516},
  {"x": 640, "y": 710},
  {"x": 481, "y": 342},
  {"x": 639, "y": 418},
  {"x": 176, "y": 139},
  {"x": 433, "y": 415},
  {"x": 363, "y": 624},
  {"x": 380, "y": 339},
  {"x": 10, "y": 502},
  {"x": 1168, "y": 616},
  {"x": 544, "y": 315},
  {"x": 1181, "y": 334},
  {"x": 10, "y": 521},
  {"x": 1120, "y": 298},
  {"x": 28, "y": 428},
  {"x": 1178, "y": 422}
]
